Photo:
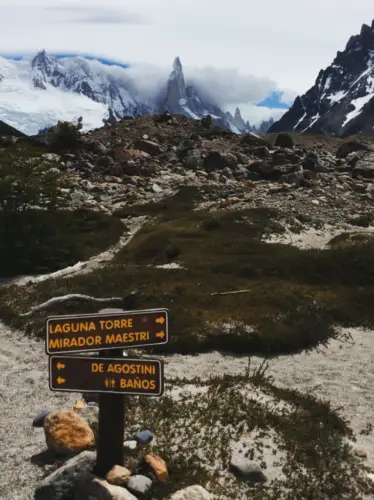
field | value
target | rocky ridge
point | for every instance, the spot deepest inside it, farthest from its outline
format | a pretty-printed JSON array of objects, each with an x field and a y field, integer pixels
[{"x": 150, "y": 158}]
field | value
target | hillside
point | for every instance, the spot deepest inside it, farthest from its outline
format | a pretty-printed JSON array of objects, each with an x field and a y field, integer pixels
[{"x": 187, "y": 212}]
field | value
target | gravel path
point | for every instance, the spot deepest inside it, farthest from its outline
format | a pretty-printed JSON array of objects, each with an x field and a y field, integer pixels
[{"x": 342, "y": 373}]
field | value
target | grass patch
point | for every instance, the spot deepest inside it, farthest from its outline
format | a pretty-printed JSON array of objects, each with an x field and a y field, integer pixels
[
  {"x": 295, "y": 296},
  {"x": 199, "y": 424},
  {"x": 42, "y": 241}
]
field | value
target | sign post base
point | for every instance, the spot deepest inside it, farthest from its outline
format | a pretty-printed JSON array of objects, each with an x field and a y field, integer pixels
[{"x": 111, "y": 432}]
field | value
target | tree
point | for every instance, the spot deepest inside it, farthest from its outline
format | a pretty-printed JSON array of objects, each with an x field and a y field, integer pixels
[{"x": 28, "y": 182}]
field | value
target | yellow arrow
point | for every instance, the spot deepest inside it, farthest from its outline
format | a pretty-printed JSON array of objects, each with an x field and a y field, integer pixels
[
  {"x": 160, "y": 335},
  {"x": 60, "y": 366},
  {"x": 160, "y": 320},
  {"x": 61, "y": 380}
]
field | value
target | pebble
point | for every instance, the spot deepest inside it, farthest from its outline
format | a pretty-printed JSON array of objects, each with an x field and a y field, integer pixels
[
  {"x": 39, "y": 419},
  {"x": 247, "y": 470},
  {"x": 139, "y": 485},
  {"x": 130, "y": 445},
  {"x": 144, "y": 437}
]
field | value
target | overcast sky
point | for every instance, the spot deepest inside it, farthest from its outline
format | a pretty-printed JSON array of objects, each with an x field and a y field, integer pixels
[{"x": 248, "y": 48}]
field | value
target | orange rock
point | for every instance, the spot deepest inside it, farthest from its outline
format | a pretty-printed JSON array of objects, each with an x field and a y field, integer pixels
[
  {"x": 66, "y": 432},
  {"x": 158, "y": 466},
  {"x": 118, "y": 475}
]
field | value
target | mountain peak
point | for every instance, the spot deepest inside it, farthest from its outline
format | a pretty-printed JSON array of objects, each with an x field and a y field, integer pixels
[
  {"x": 341, "y": 101},
  {"x": 177, "y": 65}
]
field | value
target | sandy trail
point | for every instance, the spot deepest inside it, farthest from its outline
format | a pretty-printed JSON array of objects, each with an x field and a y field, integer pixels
[{"x": 342, "y": 373}]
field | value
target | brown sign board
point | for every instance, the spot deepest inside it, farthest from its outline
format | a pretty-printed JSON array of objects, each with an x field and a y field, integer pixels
[
  {"x": 98, "y": 332},
  {"x": 142, "y": 377}
]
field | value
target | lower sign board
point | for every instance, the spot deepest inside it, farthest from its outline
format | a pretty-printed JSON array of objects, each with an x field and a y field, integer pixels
[
  {"x": 98, "y": 332},
  {"x": 142, "y": 377}
]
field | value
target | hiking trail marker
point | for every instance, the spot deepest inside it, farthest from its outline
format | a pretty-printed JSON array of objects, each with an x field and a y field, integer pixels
[
  {"x": 139, "y": 376},
  {"x": 98, "y": 332},
  {"x": 110, "y": 330}
]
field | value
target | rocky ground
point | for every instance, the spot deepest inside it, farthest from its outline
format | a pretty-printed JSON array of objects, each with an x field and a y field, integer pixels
[
  {"x": 149, "y": 158},
  {"x": 319, "y": 189}
]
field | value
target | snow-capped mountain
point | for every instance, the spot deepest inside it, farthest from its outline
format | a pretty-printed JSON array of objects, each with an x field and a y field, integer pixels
[
  {"x": 37, "y": 92},
  {"x": 341, "y": 102}
]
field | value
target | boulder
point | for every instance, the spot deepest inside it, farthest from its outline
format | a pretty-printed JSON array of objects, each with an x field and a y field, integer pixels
[
  {"x": 60, "y": 484},
  {"x": 158, "y": 466},
  {"x": 348, "y": 147},
  {"x": 218, "y": 161},
  {"x": 150, "y": 147},
  {"x": 262, "y": 168},
  {"x": 89, "y": 487},
  {"x": 247, "y": 470},
  {"x": 284, "y": 157},
  {"x": 261, "y": 152},
  {"x": 40, "y": 417},
  {"x": 284, "y": 141},
  {"x": 364, "y": 167},
  {"x": 251, "y": 139},
  {"x": 139, "y": 485},
  {"x": 67, "y": 432},
  {"x": 195, "y": 492},
  {"x": 118, "y": 475}
]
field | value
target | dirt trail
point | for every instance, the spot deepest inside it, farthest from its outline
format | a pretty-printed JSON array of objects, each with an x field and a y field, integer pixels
[{"x": 342, "y": 373}]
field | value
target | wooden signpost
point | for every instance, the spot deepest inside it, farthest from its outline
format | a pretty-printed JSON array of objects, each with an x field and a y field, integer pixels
[{"x": 111, "y": 377}]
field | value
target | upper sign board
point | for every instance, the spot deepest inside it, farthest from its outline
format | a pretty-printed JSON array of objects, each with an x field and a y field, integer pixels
[{"x": 98, "y": 332}]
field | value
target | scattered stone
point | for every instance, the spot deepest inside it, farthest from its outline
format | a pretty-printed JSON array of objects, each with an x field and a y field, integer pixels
[
  {"x": 195, "y": 492},
  {"x": 130, "y": 445},
  {"x": 158, "y": 467},
  {"x": 156, "y": 188},
  {"x": 144, "y": 437},
  {"x": 79, "y": 404},
  {"x": 39, "y": 419},
  {"x": 139, "y": 485},
  {"x": 66, "y": 432},
  {"x": 90, "y": 487},
  {"x": 60, "y": 484},
  {"x": 118, "y": 475},
  {"x": 284, "y": 141},
  {"x": 247, "y": 470}
]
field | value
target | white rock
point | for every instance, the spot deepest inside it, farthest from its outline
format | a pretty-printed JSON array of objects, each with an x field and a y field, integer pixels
[
  {"x": 130, "y": 445},
  {"x": 192, "y": 493},
  {"x": 156, "y": 188}
]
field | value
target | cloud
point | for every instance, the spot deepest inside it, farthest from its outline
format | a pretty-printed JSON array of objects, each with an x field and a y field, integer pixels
[
  {"x": 93, "y": 15},
  {"x": 69, "y": 14},
  {"x": 230, "y": 85}
]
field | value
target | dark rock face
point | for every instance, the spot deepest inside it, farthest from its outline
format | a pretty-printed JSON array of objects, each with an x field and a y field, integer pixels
[
  {"x": 341, "y": 102},
  {"x": 8, "y": 130}
]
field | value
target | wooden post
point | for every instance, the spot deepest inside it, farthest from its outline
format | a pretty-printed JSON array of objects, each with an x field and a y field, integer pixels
[{"x": 111, "y": 428}]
